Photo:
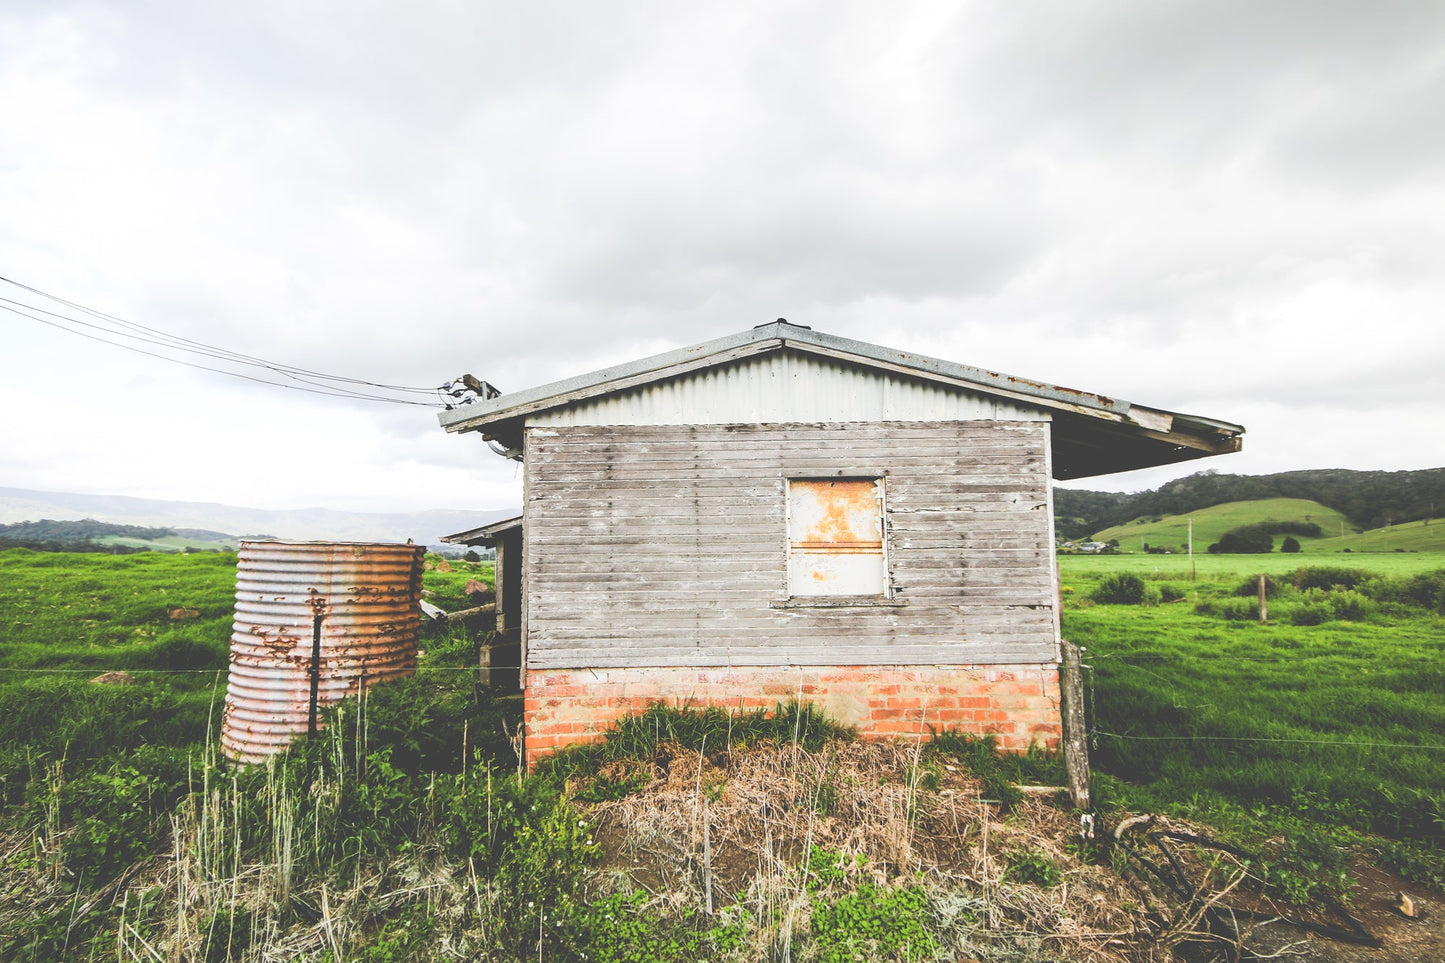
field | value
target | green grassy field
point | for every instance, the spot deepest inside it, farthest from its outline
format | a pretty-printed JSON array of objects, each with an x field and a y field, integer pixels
[
  {"x": 1208, "y": 567},
  {"x": 1317, "y": 734},
  {"x": 97, "y": 611},
  {"x": 172, "y": 543},
  {"x": 1418, "y": 536},
  {"x": 150, "y": 611},
  {"x": 1326, "y": 719},
  {"x": 164, "y": 618}
]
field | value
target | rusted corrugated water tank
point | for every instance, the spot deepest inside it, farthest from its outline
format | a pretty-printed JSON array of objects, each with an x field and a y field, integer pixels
[{"x": 315, "y": 622}]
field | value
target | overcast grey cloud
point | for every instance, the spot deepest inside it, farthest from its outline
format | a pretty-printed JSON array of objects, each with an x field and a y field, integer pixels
[{"x": 1232, "y": 209}]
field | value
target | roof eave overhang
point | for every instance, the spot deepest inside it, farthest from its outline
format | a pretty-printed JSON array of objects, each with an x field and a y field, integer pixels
[
  {"x": 1084, "y": 448},
  {"x": 486, "y": 534}
]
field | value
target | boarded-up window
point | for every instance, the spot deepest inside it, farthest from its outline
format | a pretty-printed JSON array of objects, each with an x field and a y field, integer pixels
[{"x": 835, "y": 537}]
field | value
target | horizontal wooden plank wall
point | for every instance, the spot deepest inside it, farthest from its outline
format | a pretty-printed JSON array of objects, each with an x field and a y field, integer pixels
[{"x": 666, "y": 545}]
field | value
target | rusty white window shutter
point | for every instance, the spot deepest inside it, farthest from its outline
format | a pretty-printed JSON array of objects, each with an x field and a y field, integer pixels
[{"x": 835, "y": 537}]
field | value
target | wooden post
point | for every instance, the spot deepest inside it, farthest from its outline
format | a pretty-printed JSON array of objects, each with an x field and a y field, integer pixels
[
  {"x": 1263, "y": 604},
  {"x": 484, "y": 661},
  {"x": 1076, "y": 744},
  {"x": 1193, "y": 571}
]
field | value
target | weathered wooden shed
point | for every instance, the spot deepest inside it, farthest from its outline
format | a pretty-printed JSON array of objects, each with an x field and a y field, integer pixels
[{"x": 784, "y": 513}]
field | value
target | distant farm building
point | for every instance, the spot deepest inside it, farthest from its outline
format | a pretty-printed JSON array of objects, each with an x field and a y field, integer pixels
[{"x": 785, "y": 514}]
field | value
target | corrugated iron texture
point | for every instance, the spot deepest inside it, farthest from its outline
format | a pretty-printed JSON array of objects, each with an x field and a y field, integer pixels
[
  {"x": 786, "y": 387},
  {"x": 366, "y": 598},
  {"x": 835, "y": 537}
]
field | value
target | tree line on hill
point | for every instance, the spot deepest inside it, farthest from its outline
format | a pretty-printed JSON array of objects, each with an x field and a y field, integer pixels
[
  {"x": 49, "y": 535},
  {"x": 1369, "y": 499}
]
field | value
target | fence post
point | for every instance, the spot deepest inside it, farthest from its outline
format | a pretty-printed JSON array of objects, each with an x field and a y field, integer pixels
[
  {"x": 1076, "y": 744},
  {"x": 1263, "y": 605}
]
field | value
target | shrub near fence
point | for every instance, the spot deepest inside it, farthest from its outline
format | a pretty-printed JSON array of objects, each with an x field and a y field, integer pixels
[{"x": 1124, "y": 588}]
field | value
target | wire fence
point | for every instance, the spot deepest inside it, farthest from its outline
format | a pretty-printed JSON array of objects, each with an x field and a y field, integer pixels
[{"x": 1095, "y": 732}]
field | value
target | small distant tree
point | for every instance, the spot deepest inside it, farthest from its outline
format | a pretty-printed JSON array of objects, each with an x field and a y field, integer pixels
[
  {"x": 1290, "y": 544},
  {"x": 472, "y": 556}
]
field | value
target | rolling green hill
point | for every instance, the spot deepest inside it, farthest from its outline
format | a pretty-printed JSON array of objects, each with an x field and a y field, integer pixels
[
  {"x": 1422, "y": 536},
  {"x": 1172, "y": 531},
  {"x": 1210, "y": 524},
  {"x": 1370, "y": 499},
  {"x": 175, "y": 543}
]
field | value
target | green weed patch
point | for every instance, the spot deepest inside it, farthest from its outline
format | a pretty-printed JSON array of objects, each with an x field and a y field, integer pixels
[{"x": 711, "y": 728}]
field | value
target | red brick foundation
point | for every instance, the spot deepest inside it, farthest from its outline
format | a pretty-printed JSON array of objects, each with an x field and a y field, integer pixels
[{"x": 1020, "y": 703}]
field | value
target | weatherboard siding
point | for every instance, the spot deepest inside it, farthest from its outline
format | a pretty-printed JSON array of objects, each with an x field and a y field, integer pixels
[{"x": 668, "y": 545}]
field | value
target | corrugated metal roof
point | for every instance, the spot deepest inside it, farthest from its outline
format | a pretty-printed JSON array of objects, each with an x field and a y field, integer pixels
[
  {"x": 785, "y": 386},
  {"x": 1094, "y": 434}
]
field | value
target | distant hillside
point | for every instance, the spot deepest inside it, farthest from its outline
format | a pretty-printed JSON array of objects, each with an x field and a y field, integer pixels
[
  {"x": 214, "y": 522},
  {"x": 1368, "y": 499},
  {"x": 1210, "y": 524},
  {"x": 1427, "y": 535},
  {"x": 86, "y": 535},
  {"x": 216, "y": 541},
  {"x": 84, "y": 530}
]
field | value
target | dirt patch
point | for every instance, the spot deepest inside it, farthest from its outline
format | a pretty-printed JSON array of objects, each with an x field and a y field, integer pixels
[{"x": 1401, "y": 939}]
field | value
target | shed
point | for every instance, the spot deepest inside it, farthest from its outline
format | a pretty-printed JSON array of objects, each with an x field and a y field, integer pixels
[
  {"x": 787, "y": 514},
  {"x": 502, "y": 655}
]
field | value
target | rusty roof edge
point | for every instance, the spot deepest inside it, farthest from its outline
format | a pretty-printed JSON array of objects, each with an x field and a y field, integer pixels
[{"x": 780, "y": 334}]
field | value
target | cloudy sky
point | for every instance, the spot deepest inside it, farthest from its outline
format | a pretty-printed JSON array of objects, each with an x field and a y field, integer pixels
[{"x": 1233, "y": 209}]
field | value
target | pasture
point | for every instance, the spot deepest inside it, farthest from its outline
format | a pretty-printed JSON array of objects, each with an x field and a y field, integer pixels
[
  {"x": 1324, "y": 720},
  {"x": 1317, "y": 737}
]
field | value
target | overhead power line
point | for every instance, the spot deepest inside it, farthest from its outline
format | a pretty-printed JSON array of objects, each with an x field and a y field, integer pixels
[{"x": 117, "y": 332}]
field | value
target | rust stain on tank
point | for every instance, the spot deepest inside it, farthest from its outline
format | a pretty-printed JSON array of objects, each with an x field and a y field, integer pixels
[{"x": 364, "y": 600}]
